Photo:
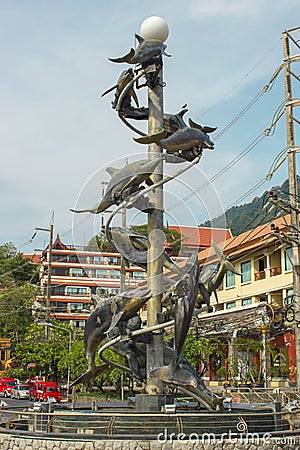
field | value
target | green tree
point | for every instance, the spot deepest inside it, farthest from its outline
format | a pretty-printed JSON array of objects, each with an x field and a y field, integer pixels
[
  {"x": 14, "y": 269},
  {"x": 173, "y": 237},
  {"x": 198, "y": 350},
  {"x": 35, "y": 355},
  {"x": 18, "y": 277}
]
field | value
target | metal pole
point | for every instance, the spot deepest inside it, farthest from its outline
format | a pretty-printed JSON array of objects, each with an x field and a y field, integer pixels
[
  {"x": 293, "y": 188},
  {"x": 48, "y": 302},
  {"x": 69, "y": 370},
  {"x": 264, "y": 355},
  {"x": 123, "y": 271},
  {"x": 155, "y": 234}
]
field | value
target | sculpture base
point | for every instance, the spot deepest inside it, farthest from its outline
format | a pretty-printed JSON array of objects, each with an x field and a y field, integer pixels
[{"x": 152, "y": 403}]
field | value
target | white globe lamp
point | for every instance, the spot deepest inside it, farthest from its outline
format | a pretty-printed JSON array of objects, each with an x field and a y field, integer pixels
[{"x": 154, "y": 27}]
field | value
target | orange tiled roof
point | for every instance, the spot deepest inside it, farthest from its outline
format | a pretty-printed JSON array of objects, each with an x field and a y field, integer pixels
[
  {"x": 201, "y": 237},
  {"x": 34, "y": 258},
  {"x": 249, "y": 240}
]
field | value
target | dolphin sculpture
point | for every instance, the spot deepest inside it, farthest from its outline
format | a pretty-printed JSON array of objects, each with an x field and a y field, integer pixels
[
  {"x": 187, "y": 288},
  {"x": 117, "y": 309},
  {"x": 124, "y": 182},
  {"x": 183, "y": 139},
  {"x": 124, "y": 79},
  {"x": 135, "y": 351},
  {"x": 146, "y": 50},
  {"x": 133, "y": 247},
  {"x": 212, "y": 276}
]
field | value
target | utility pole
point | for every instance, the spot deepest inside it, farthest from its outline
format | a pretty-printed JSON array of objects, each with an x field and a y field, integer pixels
[
  {"x": 292, "y": 176},
  {"x": 49, "y": 258}
]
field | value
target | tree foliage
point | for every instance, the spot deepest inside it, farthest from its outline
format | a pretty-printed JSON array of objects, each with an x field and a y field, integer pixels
[
  {"x": 197, "y": 350},
  {"x": 173, "y": 237},
  {"x": 18, "y": 277},
  {"x": 36, "y": 355}
]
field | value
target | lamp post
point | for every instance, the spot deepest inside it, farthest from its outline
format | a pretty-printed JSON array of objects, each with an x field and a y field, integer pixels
[
  {"x": 51, "y": 325},
  {"x": 264, "y": 316},
  {"x": 155, "y": 28},
  {"x": 48, "y": 301}
]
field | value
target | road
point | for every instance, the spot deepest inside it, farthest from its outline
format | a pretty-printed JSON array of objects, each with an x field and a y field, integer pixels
[{"x": 13, "y": 402}]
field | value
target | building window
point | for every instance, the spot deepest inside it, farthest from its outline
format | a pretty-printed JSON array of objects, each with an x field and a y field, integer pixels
[
  {"x": 230, "y": 305},
  {"x": 114, "y": 273},
  {"x": 57, "y": 290},
  {"x": 99, "y": 273},
  {"x": 230, "y": 279},
  {"x": 288, "y": 259},
  {"x": 77, "y": 272},
  {"x": 113, "y": 260},
  {"x": 246, "y": 271},
  {"x": 138, "y": 274},
  {"x": 246, "y": 301},
  {"x": 107, "y": 292},
  {"x": 80, "y": 291},
  {"x": 98, "y": 260}
]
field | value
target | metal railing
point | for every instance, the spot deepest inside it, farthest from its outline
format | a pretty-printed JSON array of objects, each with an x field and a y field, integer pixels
[{"x": 132, "y": 425}]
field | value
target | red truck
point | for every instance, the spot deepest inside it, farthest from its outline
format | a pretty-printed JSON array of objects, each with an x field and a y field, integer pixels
[
  {"x": 44, "y": 391},
  {"x": 6, "y": 385}
]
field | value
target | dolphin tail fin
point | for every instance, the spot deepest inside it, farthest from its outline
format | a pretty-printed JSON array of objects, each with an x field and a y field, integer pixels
[
  {"x": 222, "y": 258},
  {"x": 127, "y": 58},
  {"x": 78, "y": 211},
  {"x": 231, "y": 267},
  {"x": 152, "y": 139},
  {"x": 109, "y": 90},
  {"x": 177, "y": 376},
  {"x": 98, "y": 208},
  {"x": 87, "y": 376}
]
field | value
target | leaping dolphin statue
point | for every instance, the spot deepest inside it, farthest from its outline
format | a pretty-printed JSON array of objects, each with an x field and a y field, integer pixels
[
  {"x": 123, "y": 80},
  {"x": 187, "y": 288},
  {"x": 146, "y": 50},
  {"x": 115, "y": 309},
  {"x": 124, "y": 181},
  {"x": 183, "y": 139},
  {"x": 212, "y": 276},
  {"x": 133, "y": 247}
]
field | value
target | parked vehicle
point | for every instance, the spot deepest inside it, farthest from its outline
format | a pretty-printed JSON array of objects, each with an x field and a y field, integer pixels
[
  {"x": 44, "y": 391},
  {"x": 20, "y": 391},
  {"x": 6, "y": 385}
]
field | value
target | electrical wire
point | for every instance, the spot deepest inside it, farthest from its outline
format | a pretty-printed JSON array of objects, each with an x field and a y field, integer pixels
[
  {"x": 221, "y": 172},
  {"x": 271, "y": 82}
]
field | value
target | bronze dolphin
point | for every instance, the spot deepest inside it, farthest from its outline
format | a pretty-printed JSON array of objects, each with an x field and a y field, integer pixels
[
  {"x": 146, "y": 50},
  {"x": 183, "y": 139},
  {"x": 187, "y": 288},
  {"x": 125, "y": 78},
  {"x": 133, "y": 247},
  {"x": 212, "y": 276},
  {"x": 124, "y": 181},
  {"x": 109, "y": 311}
]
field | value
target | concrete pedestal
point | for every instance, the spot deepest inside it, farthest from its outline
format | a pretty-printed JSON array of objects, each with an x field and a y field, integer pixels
[{"x": 152, "y": 403}]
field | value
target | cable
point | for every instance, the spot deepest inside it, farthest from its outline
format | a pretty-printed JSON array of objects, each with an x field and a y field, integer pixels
[
  {"x": 221, "y": 172},
  {"x": 271, "y": 82}
]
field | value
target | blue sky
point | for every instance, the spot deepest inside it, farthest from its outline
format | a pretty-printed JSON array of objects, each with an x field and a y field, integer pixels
[{"x": 57, "y": 135}]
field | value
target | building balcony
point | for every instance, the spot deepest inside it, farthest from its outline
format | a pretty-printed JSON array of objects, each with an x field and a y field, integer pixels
[
  {"x": 260, "y": 275},
  {"x": 275, "y": 271}
]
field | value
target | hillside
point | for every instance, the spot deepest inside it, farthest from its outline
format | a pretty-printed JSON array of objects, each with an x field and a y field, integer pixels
[{"x": 245, "y": 217}]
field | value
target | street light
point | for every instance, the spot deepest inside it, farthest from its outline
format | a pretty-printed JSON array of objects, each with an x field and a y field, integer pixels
[
  {"x": 155, "y": 28},
  {"x": 51, "y": 325},
  {"x": 264, "y": 316}
]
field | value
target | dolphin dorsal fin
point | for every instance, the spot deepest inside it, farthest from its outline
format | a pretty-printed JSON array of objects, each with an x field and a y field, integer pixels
[
  {"x": 218, "y": 251},
  {"x": 112, "y": 171},
  {"x": 139, "y": 38}
]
